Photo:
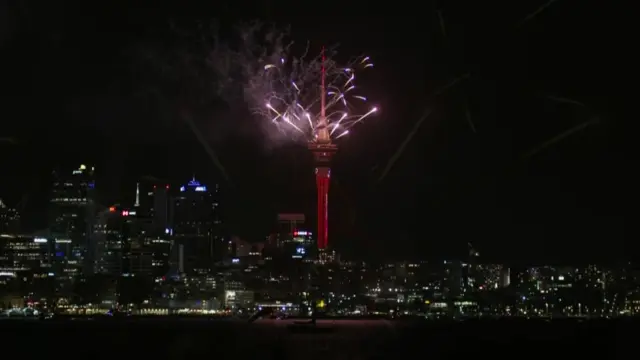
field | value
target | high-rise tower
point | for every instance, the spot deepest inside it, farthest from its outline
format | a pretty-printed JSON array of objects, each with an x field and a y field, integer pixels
[
  {"x": 323, "y": 150},
  {"x": 72, "y": 216},
  {"x": 195, "y": 226}
]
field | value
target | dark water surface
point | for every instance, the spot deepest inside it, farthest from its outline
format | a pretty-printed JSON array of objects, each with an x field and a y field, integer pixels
[{"x": 341, "y": 339}]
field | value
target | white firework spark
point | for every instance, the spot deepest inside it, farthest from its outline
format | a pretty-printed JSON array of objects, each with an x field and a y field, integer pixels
[
  {"x": 288, "y": 93},
  {"x": 286, "y": 90}
]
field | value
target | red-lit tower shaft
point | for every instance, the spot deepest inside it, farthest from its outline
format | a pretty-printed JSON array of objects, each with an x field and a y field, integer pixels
[
  {"x": 323, "y": 156},
  {"x": 322, "y": 183}
]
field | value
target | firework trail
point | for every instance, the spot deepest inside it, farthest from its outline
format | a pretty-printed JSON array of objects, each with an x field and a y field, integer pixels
[
  {"x": 593, "y": 120},
  {"x": 287, "y": 93},
  {"x": 538, "y": 11},
  {"x": 560, "y": 137},
  {"x": 418, "y": 124},
  {"x": 453, "y": 83},
  {"x": 207, "y": 148}
]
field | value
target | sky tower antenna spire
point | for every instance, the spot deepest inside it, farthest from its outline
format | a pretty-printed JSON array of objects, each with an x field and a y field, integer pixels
[
  {"x": 323, "y": 94},
  {"x": 322, "y": 135}
]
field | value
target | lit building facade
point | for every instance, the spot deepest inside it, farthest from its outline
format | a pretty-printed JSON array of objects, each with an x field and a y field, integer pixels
[
  {"x": 122, "y": 247},
  {"x": 9, "y": 219},
  {"x": 72, "y": 214},
  {"x": 152, "y": 214},
  {"x": 195, "y": 227},
  {"x": 108, "y": 243},
  {"x": 26, "y": 267},
  {"x": 153, "y": 205}
]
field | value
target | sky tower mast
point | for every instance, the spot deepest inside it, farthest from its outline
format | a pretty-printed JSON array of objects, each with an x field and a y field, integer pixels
[{"x": 323, "y": 150}]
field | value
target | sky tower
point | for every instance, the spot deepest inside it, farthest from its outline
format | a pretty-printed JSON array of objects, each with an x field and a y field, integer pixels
[{"x": 323, "y": 150}]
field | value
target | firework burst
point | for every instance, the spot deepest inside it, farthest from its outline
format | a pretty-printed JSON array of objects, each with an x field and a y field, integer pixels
[{"x": 288, "y": 92}]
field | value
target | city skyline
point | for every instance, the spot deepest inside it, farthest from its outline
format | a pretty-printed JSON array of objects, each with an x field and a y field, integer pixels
[
  {"x": 349, "y": 181},
  {"x": 516, "y": 151},
  {"x": 267, "y": 221}
]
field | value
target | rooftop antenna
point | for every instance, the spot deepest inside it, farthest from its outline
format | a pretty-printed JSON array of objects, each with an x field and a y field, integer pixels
[{"x": 137, "y": 204}]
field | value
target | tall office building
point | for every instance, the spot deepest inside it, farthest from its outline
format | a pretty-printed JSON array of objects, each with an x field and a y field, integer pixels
[
  {"x": 108, "y": 243},
  {"x": 151, "y": 207},
  {"x": 72, "y": 215},
  {"x": 160, "y": 211},
  {"x": 195, "y": 226},
  {"x": 153, "y": 204},
  {"x": 121, "y": 246}
]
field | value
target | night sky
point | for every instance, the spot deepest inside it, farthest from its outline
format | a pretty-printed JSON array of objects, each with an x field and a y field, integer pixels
[{"x": 487, "y": 166}]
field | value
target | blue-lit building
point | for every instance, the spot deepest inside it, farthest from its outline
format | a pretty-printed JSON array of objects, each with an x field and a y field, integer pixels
[
  {"x": 196, "y": 225},
  {"x": 300, "y": 245}
]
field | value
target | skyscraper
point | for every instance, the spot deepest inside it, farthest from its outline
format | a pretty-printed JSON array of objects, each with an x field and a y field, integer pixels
[
  {"x": 196, "y": 226},
  {"x": 160, "y": 211},
  {"x": 152, "y": 204},
  {"x": 72, "y": 214},
  {"x": 152, "y": 207},
  {"x": 108, "y": 242}
]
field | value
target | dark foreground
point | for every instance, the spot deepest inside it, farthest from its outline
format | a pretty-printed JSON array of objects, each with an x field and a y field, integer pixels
[{"x": 341, "y": 339}]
